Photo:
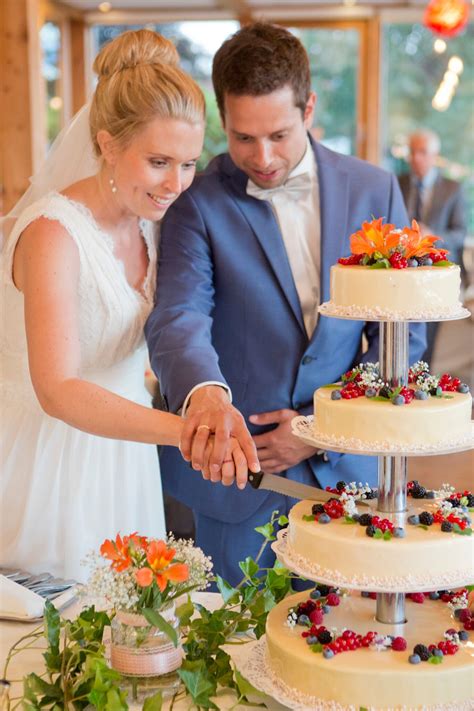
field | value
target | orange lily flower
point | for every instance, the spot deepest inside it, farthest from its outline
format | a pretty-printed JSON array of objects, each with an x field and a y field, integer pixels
[
  {"x": 418, "y": 246},
  {"x": 117, "y": 552},
  {"x": 372, "y": 238},
  {"x": 159, "y": 558}
]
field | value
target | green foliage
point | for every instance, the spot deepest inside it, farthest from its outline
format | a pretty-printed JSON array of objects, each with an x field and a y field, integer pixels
[
  {"x": 77, "y": 673},
  {"x": 246, "y": 606}
]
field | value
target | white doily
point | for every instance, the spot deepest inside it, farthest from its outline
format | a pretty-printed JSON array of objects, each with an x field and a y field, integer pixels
[{"x": 304, "y": 429}]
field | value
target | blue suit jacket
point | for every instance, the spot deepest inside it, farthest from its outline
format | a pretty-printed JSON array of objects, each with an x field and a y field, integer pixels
[{"x": 227, "y": 309}]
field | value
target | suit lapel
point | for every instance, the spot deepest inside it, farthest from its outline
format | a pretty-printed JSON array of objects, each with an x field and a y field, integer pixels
[
  {"x": 263, "y": 224},
  {"x": 334, "y": 204}
]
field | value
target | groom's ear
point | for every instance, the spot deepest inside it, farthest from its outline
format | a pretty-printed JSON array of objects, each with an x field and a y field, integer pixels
[{"x": 108, "y": 146}]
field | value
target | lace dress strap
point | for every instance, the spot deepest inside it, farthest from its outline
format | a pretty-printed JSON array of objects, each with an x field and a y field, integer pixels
[{"x": 53, "y": 206}]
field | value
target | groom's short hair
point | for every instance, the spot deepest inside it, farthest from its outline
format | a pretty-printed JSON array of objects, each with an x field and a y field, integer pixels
[{"x": 258, "y": 59}]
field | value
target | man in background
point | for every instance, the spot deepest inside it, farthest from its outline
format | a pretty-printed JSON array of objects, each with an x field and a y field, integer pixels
[{"x": 436, "y": 203}]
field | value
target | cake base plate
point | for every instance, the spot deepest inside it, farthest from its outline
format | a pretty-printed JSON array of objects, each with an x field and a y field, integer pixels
[
  {"x": 360, "y": 313},
  {"x": 305, "y": 569},
  {"x": 304, "y": 429},
  {"x": 252, "y": 662}
]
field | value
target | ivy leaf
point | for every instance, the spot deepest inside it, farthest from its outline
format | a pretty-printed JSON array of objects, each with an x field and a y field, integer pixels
[
  {"x": 387, "y": 536},
  {"x": 153, "y": 703},
  {"x": 308, "y": 517},
  {"x": 435, "y": 660},
  {"x": 380, "y": 398},
  {"x": 115, "y": 701},
  {"x": 378, "y": 534},
  {"x": 244, "y": 687},
  {"x": 184, "y": 612},
  {"x": 443, "y": 263},
  {"x": 267, "y": 531},
  {"x": 249, "y": 567},
  {"x": 317, "y": 648},
  {"x": 349, "y": 519},
  {"x": 157, "y": 620},
  {"x": 283, "y": 521},
  {"x": 226, "y": 590},
  {"x": 196, "y": 680},
  {"x": 334, "y": 386},
  {"x": 52, "y": 624}
]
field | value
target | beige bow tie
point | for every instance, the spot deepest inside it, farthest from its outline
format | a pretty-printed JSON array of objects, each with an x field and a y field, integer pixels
[{"x": 297, "y": 187}]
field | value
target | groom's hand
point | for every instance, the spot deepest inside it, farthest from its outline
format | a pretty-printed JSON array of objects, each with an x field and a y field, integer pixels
[
  {"x": 210, "y": 412},
  {"x": 279, "y": 449}
]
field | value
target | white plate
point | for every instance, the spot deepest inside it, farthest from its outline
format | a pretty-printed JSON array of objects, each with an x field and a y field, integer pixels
[
  {"x": 303, "y": 428},
  {"x": 356, "y": 313}
]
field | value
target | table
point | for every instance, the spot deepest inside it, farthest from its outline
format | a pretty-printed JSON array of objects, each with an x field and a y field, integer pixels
[{"x": 31, "y": 660}]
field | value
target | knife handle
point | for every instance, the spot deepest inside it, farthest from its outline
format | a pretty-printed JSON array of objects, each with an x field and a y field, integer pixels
[{"x": 255, "y": 479}]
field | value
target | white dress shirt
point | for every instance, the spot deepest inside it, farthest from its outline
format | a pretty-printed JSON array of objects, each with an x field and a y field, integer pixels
[{"x": 296, "y": 208}]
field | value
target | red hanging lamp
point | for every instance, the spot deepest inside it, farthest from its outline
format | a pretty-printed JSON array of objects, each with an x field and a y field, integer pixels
[{"x": 446, "y": 17}]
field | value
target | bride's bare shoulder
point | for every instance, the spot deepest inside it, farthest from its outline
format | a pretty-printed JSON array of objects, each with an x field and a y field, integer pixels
[{"x": 82, "y": 191}]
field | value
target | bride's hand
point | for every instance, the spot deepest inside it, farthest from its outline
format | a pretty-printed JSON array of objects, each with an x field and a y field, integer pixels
[{"x": 234, "y": 467}]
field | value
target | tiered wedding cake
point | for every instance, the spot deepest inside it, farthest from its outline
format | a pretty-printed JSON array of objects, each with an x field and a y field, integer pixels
[{"x": 396, "y": 647}]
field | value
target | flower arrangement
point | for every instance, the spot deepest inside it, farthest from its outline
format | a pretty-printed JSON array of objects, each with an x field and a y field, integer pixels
[
  {"x": 142, "y": 575},
  {"x": 383, "y": 246}
]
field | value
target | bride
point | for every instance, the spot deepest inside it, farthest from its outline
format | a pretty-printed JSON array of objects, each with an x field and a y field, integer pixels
[{"x": 78, "y": 275}]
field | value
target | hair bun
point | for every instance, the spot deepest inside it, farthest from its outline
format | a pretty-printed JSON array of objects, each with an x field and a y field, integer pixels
[{"x": 134, "y": 48}]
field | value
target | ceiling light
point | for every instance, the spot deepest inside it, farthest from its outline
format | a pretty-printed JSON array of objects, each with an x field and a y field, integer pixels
[
  {"x": 439, "y": 46},
  {"x": 105, "y": 6},
  {"x": 456, "y": 64}
]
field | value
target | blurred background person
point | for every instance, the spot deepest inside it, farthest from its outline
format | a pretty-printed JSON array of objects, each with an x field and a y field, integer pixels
[{"x": 436, "y": 203}]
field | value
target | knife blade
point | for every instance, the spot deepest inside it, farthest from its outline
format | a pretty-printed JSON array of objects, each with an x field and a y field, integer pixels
[{"x": 295, "y": 489}]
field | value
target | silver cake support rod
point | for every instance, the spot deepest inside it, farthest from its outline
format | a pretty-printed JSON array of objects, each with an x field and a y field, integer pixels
[{"x": 392, "y": 471}]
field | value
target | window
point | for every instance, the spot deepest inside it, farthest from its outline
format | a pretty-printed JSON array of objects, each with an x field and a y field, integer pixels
[
  {"x": 413, "y": 71},
  {"x": 196, "y": 43}
]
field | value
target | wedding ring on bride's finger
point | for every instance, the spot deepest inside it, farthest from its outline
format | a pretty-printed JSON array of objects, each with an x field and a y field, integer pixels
[{"x": 203, "y": 427}]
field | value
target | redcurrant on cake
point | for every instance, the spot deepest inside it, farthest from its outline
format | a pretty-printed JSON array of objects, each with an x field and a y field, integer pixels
[
  {"x": 362, "y": 410},
  {"x": 326, "y": 649},
  {"x": 396, "y": 274},
  {"x": 429, "y": 546}
]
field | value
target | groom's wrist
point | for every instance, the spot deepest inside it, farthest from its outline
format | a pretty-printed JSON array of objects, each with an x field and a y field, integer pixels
[{"x": 207, "y": 392}]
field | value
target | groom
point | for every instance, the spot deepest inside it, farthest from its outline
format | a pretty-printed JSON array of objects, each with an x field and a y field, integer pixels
[{"x": 245, "y": 256}]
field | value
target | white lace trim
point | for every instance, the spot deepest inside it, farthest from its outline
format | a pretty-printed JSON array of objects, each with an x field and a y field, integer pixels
[{"x": 376, "y": 313}]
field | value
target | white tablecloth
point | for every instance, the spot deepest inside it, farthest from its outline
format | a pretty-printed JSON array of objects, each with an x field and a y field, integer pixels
[{"x": 31, "y": 660}]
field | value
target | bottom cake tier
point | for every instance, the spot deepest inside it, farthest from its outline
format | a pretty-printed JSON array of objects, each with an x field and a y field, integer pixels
[{"x": 375, "y": 676}]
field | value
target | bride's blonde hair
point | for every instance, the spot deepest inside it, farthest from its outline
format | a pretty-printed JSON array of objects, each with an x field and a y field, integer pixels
[{"x": 139, "y": 80}]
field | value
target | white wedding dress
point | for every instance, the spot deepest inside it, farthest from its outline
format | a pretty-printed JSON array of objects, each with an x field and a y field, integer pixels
[{"x": 63, "y": 491}]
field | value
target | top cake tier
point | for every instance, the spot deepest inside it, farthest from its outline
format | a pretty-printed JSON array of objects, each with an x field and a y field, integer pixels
[{"x": 394, "y": 275}]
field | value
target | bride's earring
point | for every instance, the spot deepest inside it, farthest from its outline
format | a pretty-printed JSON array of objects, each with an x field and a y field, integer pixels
[{"x": 113, "y": 187}]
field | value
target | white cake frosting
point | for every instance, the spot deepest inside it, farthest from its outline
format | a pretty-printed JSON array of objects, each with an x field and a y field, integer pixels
[
  {"x": 366, "y": 678},
  {"x": 435, "y": 421},
  {"x": 411, "y": 292},
  {"x": 343, "y": 554}
]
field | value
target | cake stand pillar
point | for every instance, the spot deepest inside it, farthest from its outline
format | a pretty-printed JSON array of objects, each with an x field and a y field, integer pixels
[{"x": 392, "y": 471}]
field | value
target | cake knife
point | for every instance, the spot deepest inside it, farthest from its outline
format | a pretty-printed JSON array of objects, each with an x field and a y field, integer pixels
[{"x": 295, "y": 489}]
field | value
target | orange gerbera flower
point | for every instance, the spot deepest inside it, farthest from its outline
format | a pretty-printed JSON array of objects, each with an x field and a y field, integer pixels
[
  {"x": 373, "y": 237},
  {"x": 159, "y": 558},
  {"x": 418, "y": 246},
  {"x": 117, "y": 551}
]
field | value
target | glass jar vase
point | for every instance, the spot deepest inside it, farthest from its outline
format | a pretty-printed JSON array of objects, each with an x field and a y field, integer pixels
[{"x": 145, "y": 657}]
